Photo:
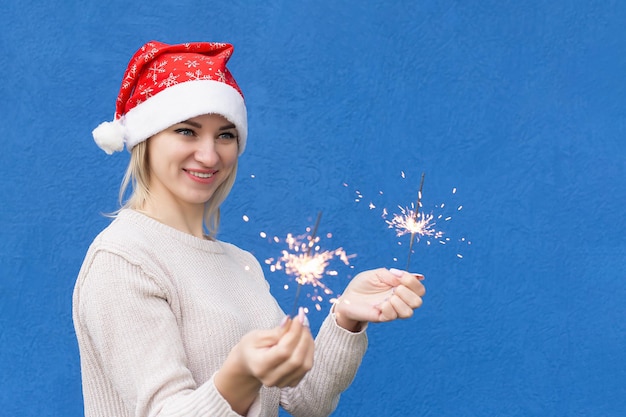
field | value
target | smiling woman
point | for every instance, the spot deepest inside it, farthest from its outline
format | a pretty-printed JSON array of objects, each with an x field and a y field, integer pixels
[
  {"x": 173, "y": 322},
  {"x": 188, "y": 162}
]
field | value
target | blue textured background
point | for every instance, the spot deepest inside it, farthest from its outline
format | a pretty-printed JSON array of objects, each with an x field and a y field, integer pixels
[{"x": 519, "y": 105}]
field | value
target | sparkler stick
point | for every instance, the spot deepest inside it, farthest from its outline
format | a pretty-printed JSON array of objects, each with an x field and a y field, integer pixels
[
  {"x": 308, "y": 254},
  {"x": 415, "y": 217}
]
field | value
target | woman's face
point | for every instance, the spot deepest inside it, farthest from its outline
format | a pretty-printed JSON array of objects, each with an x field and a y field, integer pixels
[{"x": 189, "y": 160}]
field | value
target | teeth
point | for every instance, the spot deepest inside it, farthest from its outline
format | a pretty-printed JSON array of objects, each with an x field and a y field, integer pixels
[{"x": 200, "y": 174}]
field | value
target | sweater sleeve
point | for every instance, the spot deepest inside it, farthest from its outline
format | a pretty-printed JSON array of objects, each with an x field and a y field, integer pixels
[
  {"x": 338, "y": 354},
  {"x": 132, "y": 348}
]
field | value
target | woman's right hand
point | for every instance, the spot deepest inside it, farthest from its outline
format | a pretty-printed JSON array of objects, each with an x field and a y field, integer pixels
[{"x": 278, "y": 357}]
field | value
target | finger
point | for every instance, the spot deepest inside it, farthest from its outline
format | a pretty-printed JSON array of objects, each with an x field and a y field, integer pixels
[
  {"x": 392, "y": 276},
  {"x": 420, "y": 277},
  {"x": 403, "y": 310},
  {"x": 276, "y": 345},
  {"x": 302, "y": 359},
  {"x": 302, "y": 322},
  {"x": 265, "y": 338},
  {"x": 407, "y": 296},
  {"x": 291, "y": 332},
  {"x": 387, "y": 311},
  {"x": 402, "y": 274},
  {"x": 285, "y": 323},
  {"x": 298, "y": 362},
  {"x": 302, "y": 318},
  {"x": 271, "y": 338},
  {"x": 411, "y": 282}
]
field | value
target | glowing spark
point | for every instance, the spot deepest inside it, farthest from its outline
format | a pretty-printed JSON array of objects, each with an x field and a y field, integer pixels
[
  {"x": 306, "y": 261},
  {"x": 411, "y": 221},
  {"x": 309, "y": 268},
  {"x": 417, "y": 224}
]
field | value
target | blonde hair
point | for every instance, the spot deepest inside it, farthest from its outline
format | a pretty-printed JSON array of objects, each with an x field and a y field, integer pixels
[{"x": 137, "y": 177}]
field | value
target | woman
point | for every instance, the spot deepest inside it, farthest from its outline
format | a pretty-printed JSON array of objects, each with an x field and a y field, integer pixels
[{"x": 173, "y": 322}]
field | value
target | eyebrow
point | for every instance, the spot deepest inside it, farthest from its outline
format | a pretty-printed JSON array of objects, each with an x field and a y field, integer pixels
[
  {"x": 199, "y": 126},
  {"x": 194, "y": 124}
]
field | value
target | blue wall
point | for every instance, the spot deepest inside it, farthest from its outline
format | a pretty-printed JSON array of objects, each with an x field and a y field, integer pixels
[{"x": 520, "y": 106}]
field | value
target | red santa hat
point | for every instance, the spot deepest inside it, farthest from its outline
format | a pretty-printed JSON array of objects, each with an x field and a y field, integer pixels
[{"x": 167, "y": 84}]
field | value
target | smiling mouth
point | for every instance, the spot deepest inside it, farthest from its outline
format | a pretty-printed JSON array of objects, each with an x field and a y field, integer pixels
[{"x": 203, "y": 175}]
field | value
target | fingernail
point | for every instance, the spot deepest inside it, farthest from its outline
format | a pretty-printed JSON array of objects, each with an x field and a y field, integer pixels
[
  {"x": 419, "y": 276},
  {"x": 396, "y": 272},
  {"x": 284, "y": 321},
  {"x": 302, "y": 317}
]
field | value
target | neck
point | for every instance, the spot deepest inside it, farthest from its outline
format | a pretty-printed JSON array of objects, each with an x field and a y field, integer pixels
[{"x": 186, "y": 218}]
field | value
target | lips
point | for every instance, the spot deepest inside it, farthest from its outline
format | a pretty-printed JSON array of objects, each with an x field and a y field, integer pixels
[{"x": 200, "y": 176}]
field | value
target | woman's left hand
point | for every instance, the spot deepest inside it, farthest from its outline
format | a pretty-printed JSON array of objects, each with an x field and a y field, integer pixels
[{"x": 379, "y": 295}]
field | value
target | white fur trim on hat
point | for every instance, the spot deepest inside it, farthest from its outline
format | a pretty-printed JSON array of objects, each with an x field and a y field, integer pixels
[
  {"x": 109, "y": 136},
  {"x": 184, "y": 101}
]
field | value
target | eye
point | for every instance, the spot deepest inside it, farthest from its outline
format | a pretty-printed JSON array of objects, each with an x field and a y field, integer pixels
[
  {"x": 185, "y": 131},
  {"x": 227, "y": 136}
]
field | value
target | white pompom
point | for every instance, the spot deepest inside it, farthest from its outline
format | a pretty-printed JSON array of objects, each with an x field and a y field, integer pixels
[{"x": 109, "y": 136}]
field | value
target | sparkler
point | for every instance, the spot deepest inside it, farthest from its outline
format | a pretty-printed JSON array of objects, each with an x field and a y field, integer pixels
[
  {"x": 413, "y": 219},
  {"x": 307, "y": 262}
]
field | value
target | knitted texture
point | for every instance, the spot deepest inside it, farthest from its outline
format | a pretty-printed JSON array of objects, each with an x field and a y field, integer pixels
[{"x": 157, "y": 311}]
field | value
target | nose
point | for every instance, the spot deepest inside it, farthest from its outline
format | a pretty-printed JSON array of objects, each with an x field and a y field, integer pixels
[{"x": 206, "y": 152}]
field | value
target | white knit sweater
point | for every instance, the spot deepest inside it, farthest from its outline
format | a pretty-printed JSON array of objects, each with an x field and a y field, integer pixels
[{"x": 156, "y": 312}]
